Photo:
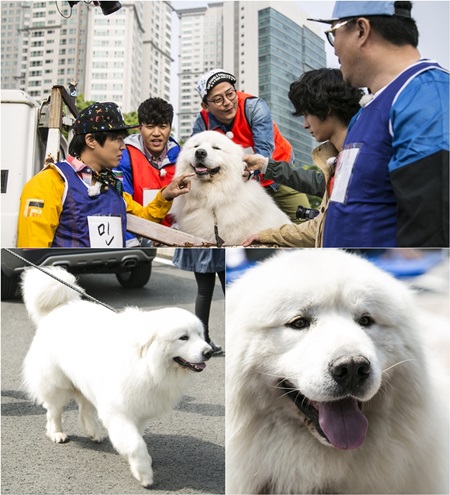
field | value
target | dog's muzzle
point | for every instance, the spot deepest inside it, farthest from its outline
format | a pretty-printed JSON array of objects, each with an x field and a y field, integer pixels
[
  {"x": 201, "y": 169},
  {"x": 341, "y": 422},
  {"x": 197, "y": 367}
]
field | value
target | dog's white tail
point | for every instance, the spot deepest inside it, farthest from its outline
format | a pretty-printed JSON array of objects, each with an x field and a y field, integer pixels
[{"x": 42, "y": 293}]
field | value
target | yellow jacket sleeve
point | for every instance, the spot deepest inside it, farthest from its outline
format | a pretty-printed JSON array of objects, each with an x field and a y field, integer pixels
[
  {"x": 155, "y": 211},
  {"x": 40, "y": 209}
]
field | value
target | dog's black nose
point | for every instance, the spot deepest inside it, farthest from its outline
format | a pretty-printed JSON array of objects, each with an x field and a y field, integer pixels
[
  {"x": 207, "y": 353},
  {"x": 200, "y": 154},
  {"x": 350, "y": 371}
]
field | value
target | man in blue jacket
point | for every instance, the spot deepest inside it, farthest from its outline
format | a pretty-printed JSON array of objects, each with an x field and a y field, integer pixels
[{"x": 391, "y": 183}]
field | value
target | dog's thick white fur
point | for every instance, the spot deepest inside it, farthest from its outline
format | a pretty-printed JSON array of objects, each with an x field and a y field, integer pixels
[
  {"x": 127, "y": 367},
  {"x": 329, "y": 389},
  {"x": 219, "y": 196}
]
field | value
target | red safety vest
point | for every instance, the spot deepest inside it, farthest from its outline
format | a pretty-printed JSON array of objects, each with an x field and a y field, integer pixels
[
  {"x": 147, "y": 177},
  {"x": 243, "y": 135}
]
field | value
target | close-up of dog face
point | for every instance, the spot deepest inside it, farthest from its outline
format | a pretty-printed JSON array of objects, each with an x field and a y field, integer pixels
[
  {"x": 324, "y": 338},
  {"x": 210, "y": 154}
]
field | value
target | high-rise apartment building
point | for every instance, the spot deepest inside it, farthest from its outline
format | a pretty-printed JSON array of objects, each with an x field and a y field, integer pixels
[
  {"x": 267, "y": 45},
  {"x": 123, "y": 57},
  {"x": 157, "y": 50},
  {"x": 42, "y": 46},
  {"x": 200, "y": 49},
  {"x": 114, "y": 55}
]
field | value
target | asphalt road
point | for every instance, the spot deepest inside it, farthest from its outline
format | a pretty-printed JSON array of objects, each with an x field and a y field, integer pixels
[{"x": 187, "y": 444}]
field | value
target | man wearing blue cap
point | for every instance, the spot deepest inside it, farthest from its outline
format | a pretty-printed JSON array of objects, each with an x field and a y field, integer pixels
[{"x": 391, "y": 181}]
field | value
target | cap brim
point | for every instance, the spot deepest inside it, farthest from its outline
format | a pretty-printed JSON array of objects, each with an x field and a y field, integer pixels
[
  {"x": 121, "y": 128},
  {"x": 325, "y": 21}
]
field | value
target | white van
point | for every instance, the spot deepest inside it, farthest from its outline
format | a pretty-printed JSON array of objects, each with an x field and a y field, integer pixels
[{"x": 22, "y": 155}]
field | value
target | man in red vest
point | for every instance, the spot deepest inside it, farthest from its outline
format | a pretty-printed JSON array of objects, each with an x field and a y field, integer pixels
[
  {"x": 247, "y": 120},
  {"x": 148, "y": 163}
]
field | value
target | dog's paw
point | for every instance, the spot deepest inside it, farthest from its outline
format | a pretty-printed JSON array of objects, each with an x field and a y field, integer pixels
[
  {"x": 147, "y": 484},
  {"x": 143, "y": 473},
  {"x": 58, "y": 437},
  {"x": 146, "y": 479},
  {"x": 97, "y": 437}
]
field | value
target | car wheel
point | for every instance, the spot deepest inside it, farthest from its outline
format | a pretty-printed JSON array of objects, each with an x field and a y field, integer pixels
[
  {"x": 135, "y": 278},
  {"x": 9, "y": 286}
]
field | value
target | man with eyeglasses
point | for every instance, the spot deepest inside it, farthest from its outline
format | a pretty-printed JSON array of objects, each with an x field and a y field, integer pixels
[
  {"x": 391, "y": 182},
  {"x": 247, "y": 120}
]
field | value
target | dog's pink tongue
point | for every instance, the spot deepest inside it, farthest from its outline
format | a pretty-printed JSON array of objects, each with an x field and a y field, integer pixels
[{"x": 343, "y": 423}]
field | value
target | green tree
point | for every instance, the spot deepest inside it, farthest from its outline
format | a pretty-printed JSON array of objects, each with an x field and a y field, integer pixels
[
  {"x": 81, "y": 103},
  {"x": 131, "y": 118}
]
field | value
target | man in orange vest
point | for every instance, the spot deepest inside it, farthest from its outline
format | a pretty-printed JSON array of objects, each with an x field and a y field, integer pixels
[
  {"x": 247, "y": 120},
  {"x": 148, "y": 163}
]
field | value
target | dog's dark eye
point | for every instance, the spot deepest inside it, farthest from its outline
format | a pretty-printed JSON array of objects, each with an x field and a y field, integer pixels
[
  {"x": 185, "y": 337},
  {"x": 299, "y": 323},
  {"x": 216, "y": 148},
  {"x": 366, "y": 321}
]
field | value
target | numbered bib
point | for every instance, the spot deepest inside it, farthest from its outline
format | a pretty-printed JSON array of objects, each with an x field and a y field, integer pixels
[
  {"x": 344, "y": 169},
  {"x": 105, "y": 231}
]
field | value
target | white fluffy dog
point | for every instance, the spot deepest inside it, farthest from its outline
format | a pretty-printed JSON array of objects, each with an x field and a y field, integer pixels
[
  {"x": 127, "y": 367},
  {"x": 328, "y": 386},
  {"x": 220, "y": 201}
]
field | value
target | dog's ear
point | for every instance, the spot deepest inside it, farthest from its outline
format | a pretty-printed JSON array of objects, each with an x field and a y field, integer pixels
[{"x": 145, "y": 347}]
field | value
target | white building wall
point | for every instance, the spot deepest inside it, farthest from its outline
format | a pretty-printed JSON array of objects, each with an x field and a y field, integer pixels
[
  {"x": 114, "y": 54},
  {"x": 157, "y": 47},
  {"x": 200, "y": 49}
]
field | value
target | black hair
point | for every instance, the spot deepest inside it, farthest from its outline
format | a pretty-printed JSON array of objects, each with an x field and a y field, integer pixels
[
  {"x": 400, "y": 29},
  {"x": 155, "y": 111},
  {"x": 78, "y": 143},
  {"x": 319, "y": 92}
]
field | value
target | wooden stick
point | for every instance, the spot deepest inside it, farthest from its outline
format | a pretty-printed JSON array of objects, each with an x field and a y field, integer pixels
[{"x": 162, "y": 234}]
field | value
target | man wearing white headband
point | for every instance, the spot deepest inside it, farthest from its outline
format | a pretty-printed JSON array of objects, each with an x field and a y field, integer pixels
[
  {"x": 391, "y": 182},
  {"x": 247, "y": 120}
]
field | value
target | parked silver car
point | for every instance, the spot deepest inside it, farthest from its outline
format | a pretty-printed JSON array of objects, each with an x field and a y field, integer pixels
[{"x": 132, "y": 266}]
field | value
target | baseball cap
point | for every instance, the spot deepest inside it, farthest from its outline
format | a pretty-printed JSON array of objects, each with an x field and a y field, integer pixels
[
  {"x": 343, "y": 10},
  {"x": 100, "y": 117},
  {"x": 211, "y": 79}
]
